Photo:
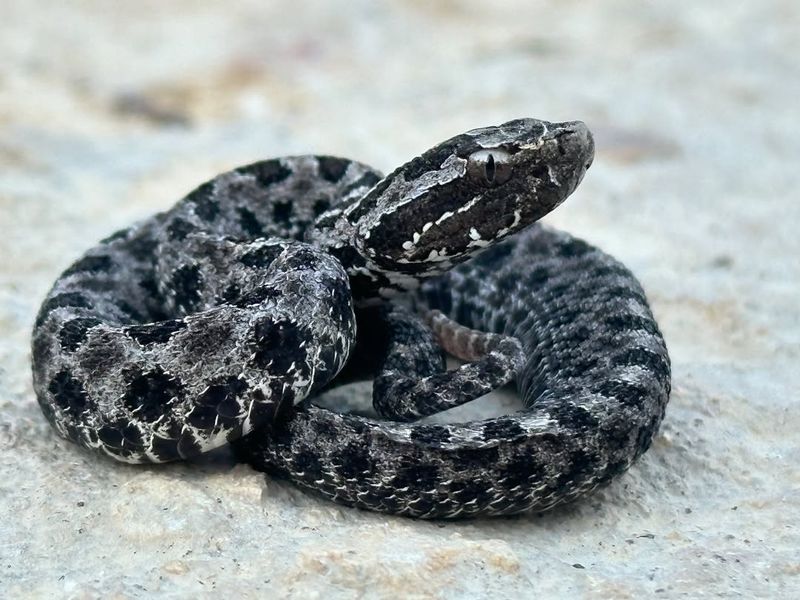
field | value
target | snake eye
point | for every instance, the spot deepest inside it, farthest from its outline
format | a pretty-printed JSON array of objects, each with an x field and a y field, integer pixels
[{"x": 490, "y": 166}]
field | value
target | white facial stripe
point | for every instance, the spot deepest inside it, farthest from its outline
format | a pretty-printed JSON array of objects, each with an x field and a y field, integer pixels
[
  {"x": 444, "y": 217},
  {"x": 552, "y": 177},
  {"x": 479, "y": 243},
  {"x": 505, "y": 230},
  {"x": 453, "y": 168}
]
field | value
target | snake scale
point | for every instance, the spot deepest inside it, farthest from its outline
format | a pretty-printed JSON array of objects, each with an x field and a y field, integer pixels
[{"x": 220, "y": 319}]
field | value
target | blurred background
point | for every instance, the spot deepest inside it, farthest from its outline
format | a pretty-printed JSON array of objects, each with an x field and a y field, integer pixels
[{"x": 110, "y": 111}]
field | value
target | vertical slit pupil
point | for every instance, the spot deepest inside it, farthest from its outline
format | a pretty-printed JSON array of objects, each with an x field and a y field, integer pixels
[{"x": 490, "y": 168}]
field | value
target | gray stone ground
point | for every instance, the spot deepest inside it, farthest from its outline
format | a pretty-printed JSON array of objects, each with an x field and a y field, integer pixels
[{"x": 110, "y": 111}]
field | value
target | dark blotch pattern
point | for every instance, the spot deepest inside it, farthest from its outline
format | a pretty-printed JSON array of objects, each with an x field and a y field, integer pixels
[
  {"x": 186, "y": 285},
  {"x": 165, "y": 449},
  {"x": 148, "y": 394},
  {"x": 73, "y": 332},
  {"x": 90, "y": 264},
  {"x": 355, "y": 461},
  {"x": 573, "y": 247},
  {"x": 628, "y": 322},
  {"x": 219, "y": 405},
  {"x": 320, "y": 206},
  {"x": 430, "y": 434},
  {"x": 502, "y": 428},
  {"x": 256, "y": 296},
  {"x": 521, "y": 469},
  {"x": 205, "y": 207},
  {"x": 261, "y": 257},
  {"x": 332, "y": 169},
  {"x": 249, "y": 222},
  {"x": 188, "y": 446},
  {"x": 68, "y": 299},
  {"x": 282, "y": 212},
  {"x": 69, "y": 394},
  {"x": 277, "y": 344},
  {"x": 643, "y": 358},
  {"x": 179, "y": 228},
  {"x": 124, "y": 437},
  {"x": 308, "y": 465},
  {"x": 268, "y": 172},
  {"x": 155, "y": 333},
  {"x": 416, "y": 475},
  {"x": 631, "y": 394},
  {"x": 142, "y": 247}
]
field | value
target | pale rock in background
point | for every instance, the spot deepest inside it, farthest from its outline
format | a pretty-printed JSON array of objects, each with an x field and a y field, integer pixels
[{"x": 112, "y": 111}]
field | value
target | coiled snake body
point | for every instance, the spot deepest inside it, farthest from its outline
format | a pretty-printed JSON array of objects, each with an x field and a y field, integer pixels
[{"x": 219, "y": 320}]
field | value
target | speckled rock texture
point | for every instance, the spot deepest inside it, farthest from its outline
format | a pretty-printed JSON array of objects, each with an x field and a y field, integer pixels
[{"x": 109, "y": 112}]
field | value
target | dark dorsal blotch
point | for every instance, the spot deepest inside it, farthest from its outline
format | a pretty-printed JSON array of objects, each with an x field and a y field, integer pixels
[
  {"x": 332, "y": 168},
  {"x": 202, "y": 199},
  {"x": 90, "y": 264},
  {"x": 282, "y": 212},
  {"x": 186, "y": 283},
  {"x": 179, "y": 228},
  {"x": 149, "y": 392},
  {"x": 249, "y": 222},
  {"x": 268, "y": 172}
]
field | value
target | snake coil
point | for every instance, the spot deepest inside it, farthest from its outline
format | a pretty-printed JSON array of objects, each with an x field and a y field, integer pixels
[{"x": 220, "y": 319}]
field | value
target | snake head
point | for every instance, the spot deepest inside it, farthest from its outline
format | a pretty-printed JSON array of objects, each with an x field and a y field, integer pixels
[{"x": 469, "y": 192}]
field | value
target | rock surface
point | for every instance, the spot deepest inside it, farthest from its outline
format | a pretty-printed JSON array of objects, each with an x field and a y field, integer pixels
[{"x": 109, "y": 112}]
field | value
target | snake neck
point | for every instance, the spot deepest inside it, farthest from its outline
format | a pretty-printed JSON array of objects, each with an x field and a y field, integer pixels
[{"x": 335, "y": 232}]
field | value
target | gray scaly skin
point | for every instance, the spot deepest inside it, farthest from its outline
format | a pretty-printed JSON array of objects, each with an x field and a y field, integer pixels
[{"x": 227, "y": 313}]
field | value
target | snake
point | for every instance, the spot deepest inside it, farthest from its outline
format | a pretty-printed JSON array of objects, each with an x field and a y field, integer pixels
[{"x": 220, "y": 320}]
